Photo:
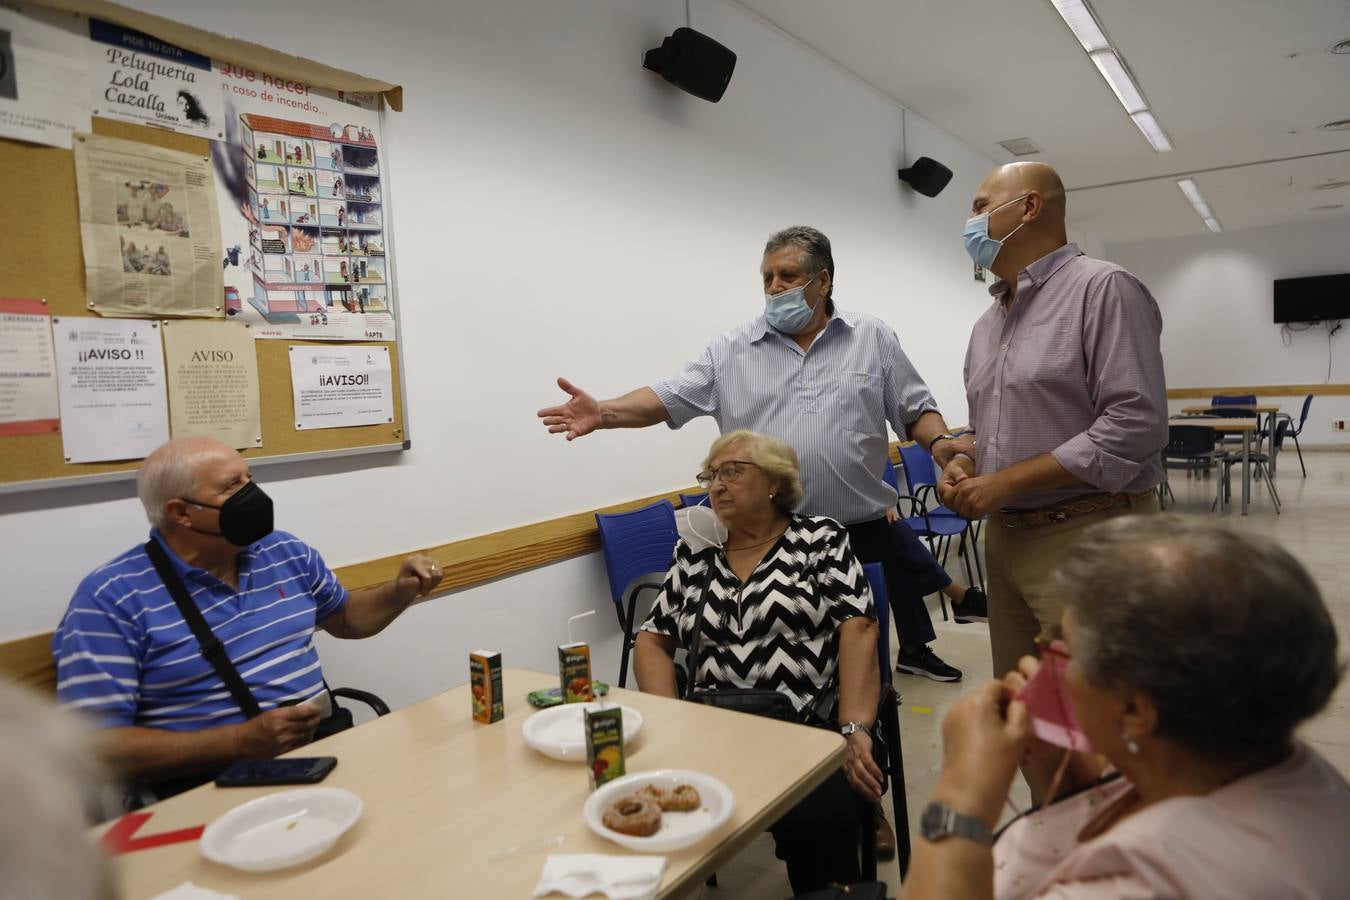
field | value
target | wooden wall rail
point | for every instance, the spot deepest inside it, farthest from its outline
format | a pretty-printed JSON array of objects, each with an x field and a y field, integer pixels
[{"x": 1263, "y": 390}]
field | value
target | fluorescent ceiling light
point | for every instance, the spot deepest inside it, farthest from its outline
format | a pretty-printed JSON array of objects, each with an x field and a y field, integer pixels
[
  {"x": 1116, "y": 75},
  {"x": 1078, "y": 16},
  {"x": 1157, "y": 138},
  {"x": 1190, "y": 190},
  {"x": 1198, "y": 203},
  {"x": 1082, "y": 21}
]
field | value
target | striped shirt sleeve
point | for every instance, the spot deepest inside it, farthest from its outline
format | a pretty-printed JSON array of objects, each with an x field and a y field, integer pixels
[
  {"x": 906, "y": 394},
  {"x": 692, "y": 391},
  {"x": 841, "y": 580},
  {"x": 98, "y": 662},
  {"x": 328, "y": 593}
]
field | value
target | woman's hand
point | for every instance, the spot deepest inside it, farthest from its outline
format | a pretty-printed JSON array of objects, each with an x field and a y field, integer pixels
[
  {"x": 861, "y": 770},
  {"x": 1042, "y": 759},
  {"x": 984, "y": 739}
]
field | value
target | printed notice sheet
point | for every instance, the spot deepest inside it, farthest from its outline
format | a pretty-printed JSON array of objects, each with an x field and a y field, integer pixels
[
  {"x": 338, "y": 387},
  {"x": 138, "y": 78},
  {"x": 111, "y": 377},
  {"x": 43, "y": 76},
  {"x": 28, "y": 402},
  {"x": 213, "y": 381},
  {"x": 150, "y": 230}
]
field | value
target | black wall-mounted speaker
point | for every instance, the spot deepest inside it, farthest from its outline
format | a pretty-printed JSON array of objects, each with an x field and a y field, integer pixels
[
  {"x": 927, "y": 176},
  {"x": 693, "y": 62}
]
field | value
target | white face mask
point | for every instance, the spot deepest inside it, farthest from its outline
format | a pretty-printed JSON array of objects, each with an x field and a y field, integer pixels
[{"x": 700, "y": 527}]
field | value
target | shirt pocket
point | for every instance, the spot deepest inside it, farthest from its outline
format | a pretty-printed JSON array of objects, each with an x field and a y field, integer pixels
[
  {"x": 1047, "y": 353},
  {"x": 859, "y": 404}
]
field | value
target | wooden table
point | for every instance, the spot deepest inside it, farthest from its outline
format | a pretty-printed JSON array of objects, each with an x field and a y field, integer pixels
[
  {"x": 1270, "y": 411},
  {"x": 1246, "y": 427},
  {"x": 443, "y": 794}
]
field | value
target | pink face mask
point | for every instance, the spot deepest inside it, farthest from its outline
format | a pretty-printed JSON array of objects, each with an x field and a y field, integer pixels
[{"x": 1046, "y": 697}]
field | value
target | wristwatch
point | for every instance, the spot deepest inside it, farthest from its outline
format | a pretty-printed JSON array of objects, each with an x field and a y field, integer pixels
[
  {"x": 939, "y": 821},
  {"x": 849, "y": 727},
  {"x": 945, "y": 436}
]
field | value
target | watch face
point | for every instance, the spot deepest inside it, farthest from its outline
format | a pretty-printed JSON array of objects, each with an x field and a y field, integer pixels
[{"x": 932, "y": 824}]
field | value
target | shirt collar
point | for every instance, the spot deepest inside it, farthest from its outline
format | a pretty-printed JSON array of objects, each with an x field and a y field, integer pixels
[
  {"x": 1039, "y": 272},
  {"x": 761, "y": 328},
  {"x": 183, "y": 568}
]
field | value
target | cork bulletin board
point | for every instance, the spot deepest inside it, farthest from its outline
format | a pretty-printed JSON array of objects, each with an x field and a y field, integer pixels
[{"x": 41, "y": 257}]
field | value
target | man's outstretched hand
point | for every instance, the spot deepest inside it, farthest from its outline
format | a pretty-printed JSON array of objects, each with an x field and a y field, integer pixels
[{"x": 578, "y": 416}]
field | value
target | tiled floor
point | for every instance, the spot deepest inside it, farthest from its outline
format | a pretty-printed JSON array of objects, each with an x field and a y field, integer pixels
[{"x": 1314, "y": 526}]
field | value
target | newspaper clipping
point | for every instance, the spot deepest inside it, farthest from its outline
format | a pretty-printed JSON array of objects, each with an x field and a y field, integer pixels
[{"x": 150, "y": 229}]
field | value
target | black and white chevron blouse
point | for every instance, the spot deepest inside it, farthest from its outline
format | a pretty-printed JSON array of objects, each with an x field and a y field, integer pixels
[{"x": 780, "y": 629}]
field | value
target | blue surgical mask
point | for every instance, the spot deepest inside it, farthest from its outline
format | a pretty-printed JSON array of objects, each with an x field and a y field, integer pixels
[
  {"x": 788, "y": 311},
  {"x": 981, "y": 247}
]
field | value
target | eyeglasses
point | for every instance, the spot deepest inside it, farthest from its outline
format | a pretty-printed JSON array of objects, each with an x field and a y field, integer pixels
[{"x": 729, "y": 471}]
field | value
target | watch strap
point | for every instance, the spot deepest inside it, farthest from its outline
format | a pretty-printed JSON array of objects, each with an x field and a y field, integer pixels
[
  {"x": 945, "y": 436},
  {"x": 940, "y": 821}
]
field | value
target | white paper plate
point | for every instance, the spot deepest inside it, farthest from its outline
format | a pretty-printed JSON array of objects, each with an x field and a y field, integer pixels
[
  {"x": 678, "y": 829},
  {"x": 280, "y": 830},
  {"x": 560, "y": 731}
]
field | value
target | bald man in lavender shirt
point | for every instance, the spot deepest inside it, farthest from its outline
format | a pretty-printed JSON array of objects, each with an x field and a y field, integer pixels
[{"x": 1064, "y": 378}]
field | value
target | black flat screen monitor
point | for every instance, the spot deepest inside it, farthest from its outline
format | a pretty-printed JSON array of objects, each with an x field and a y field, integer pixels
[{"x": 1317, "y": 299}]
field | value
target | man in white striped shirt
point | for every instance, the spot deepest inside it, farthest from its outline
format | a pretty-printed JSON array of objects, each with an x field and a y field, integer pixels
[
  {"x": 827, "y": 381},
  {"x": 127, "y": 658}
]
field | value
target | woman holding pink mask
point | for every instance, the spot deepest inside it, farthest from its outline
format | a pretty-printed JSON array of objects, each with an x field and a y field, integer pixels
[{"x": 1190, "y": 656}]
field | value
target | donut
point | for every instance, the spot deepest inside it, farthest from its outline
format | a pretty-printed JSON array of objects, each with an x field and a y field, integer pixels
[
  {"x": 681, "y": 798},
  {"x": 633, "y": 815}
]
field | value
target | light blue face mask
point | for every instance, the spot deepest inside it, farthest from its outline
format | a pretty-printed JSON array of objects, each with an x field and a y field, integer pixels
[
  {"x": 788, "y": 311},
  {"x": 981, "y": 247}
]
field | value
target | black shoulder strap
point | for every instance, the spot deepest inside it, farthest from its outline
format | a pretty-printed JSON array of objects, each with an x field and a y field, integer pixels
[
  {"x": 696, "y": 642},
  {"x": 211, "y": 647}
]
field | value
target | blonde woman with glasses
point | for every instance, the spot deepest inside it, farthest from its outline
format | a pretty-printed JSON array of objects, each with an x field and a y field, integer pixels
[{"x": 781, "y": 605}]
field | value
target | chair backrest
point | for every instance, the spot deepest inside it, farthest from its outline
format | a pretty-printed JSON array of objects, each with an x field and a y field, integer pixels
[
  {"x": 636, "y": 543},
  {"x": 876, "y": 579},
  {"x": 1233, "y": 400},
  {"x": 888, "y": 475},
  {"x": 1307, "y": 402},
  {"x": 919, "y": 469},
  {"x": 687, "y": 500},
  {"x": 1189, "y": 440}
]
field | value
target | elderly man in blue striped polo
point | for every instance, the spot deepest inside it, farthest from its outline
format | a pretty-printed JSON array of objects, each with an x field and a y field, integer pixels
[
  {"x": 129, "y": 656},
  {"x": 826, "y": 381}
]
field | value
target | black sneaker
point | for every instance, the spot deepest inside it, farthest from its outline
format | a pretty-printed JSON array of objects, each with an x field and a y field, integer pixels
[
  {"x": 926, "y": 663},
  {"x": 974, "y": 607}
]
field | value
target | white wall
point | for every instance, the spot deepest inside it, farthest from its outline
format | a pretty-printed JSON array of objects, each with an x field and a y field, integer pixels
[
  {"x": 558, "y": 211},
  {"x": 1215, "y": 292}
]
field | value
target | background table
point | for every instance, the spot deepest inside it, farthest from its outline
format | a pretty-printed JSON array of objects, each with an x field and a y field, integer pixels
[
  {"x": 1246, "y": 427},
  {"x": 443, "y": 794},
  {"x": 1270, "y": 411}
]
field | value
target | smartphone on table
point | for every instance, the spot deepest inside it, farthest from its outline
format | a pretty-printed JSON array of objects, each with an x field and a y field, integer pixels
[{"x": 262, "y": 772}]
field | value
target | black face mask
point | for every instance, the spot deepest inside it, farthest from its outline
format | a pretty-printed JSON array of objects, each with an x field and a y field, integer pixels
[{"x": 244, "y": 518}]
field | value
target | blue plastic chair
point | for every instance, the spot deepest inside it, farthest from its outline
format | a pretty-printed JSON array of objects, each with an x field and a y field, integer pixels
[
  {"x": 637, "y": 545},
  {"x": 936, "y": 522},
  {"x": 688, "y": 500},
  {"x": 888, "y": 715},
  {"x": 1286, "y": 427},
  {"x": 1233, "y": 400}
]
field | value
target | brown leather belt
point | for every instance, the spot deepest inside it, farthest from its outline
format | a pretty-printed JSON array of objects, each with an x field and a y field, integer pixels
[{"x": 1069, "y": 509}]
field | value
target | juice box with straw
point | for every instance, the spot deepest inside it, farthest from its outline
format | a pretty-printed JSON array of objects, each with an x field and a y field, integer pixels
[
  {"x": 574, "y": 670},
  {"x": 485, "y": 685}
]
